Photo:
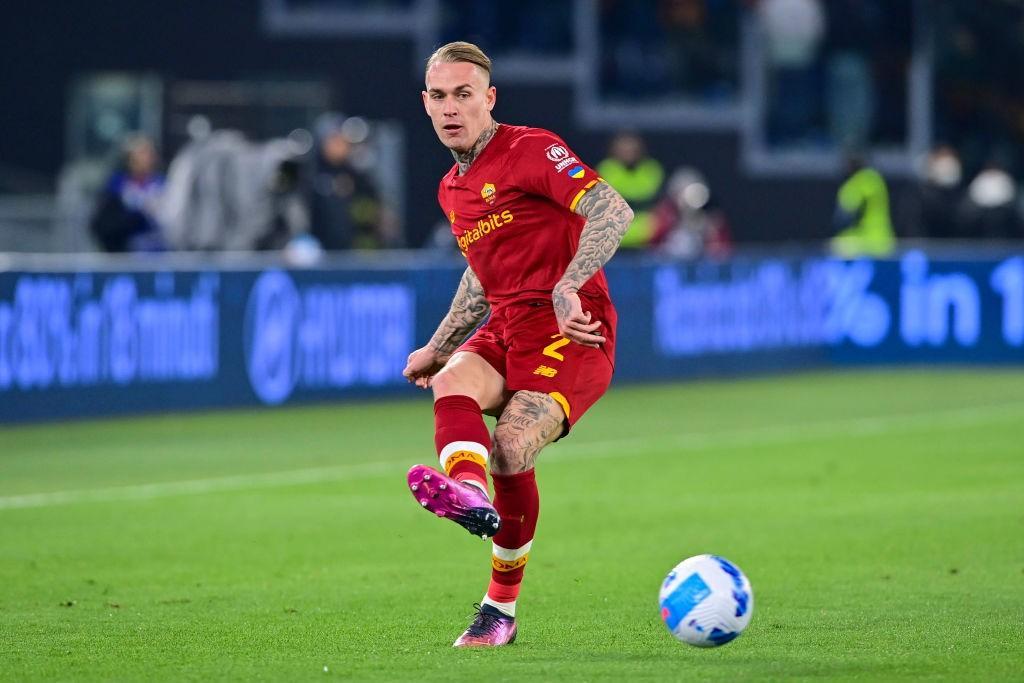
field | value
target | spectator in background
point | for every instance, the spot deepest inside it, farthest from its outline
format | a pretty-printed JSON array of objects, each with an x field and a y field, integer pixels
[
  {"x": 633, "y": 61},
  {"x": 125, "y": 218},
  {"x": 290, "y": 221},
  {"x": 687, "y": 224},
  {"x": 854, "y": 28},
  {"x": 793, "y": 31},
  {"x": 225, "y": 192},
  {"x": 347, "y": 211},
  {"x": 979, "y": 85},
  {"x": 526, "y": 27},
  {"x": 862, "y": 214},
  {"x": 990, "y": 209},
  {"x": 697, "y": 63},
  {"x": 638, "y": 178},
  {"x": 935, "y": 200}
]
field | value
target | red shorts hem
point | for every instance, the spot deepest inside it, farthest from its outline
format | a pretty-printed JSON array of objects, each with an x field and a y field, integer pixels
[{"x": 521, "y": 342}]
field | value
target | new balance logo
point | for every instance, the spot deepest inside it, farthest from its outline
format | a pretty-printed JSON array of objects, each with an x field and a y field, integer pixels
[{"x": 545, "y": 371}]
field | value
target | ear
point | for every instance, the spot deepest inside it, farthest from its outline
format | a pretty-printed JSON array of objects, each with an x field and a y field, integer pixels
[
  {"x": 491, "y": 97},
  {"x": 423, "y": 96}
]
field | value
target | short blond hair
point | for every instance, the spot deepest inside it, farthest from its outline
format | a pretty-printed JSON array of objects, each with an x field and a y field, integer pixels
[{"x": 460, "y": 51}]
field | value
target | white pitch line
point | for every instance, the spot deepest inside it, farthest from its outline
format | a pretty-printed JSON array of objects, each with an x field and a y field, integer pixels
[
  {"x": 759, "y": 436},
  {"x": 798, "y": 433},
  {"x": 240, "y": 482}
]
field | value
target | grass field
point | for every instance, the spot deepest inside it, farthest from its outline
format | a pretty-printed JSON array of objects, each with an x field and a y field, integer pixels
[{"x": 879, "y": 516}]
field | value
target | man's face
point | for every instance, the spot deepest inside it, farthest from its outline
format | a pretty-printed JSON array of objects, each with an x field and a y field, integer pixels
[
  {"x": 628, "y": 149},
  {"x": 335, "y": 148},
  {"x": 458, "y": 101},
  {"x": 142, "y": 158}
]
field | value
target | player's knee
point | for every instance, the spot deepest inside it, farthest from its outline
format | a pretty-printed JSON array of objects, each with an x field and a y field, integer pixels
[
  {"x": 508, "y": 455},
  {"x": 457, "y": 381},
  {"x": 451, "y": 381},
  {"x": 523, "y": 430}
]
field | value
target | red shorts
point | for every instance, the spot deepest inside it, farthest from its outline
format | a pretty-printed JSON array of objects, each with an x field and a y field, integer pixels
[{"x": 521, "y": 341}]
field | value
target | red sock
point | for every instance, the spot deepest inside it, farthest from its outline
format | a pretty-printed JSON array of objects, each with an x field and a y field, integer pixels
[
  {"x": 462, "y": 439},
  {"x": 518, "y": 503}
]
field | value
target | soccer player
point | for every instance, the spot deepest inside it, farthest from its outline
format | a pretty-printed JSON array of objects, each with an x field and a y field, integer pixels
[{"x": 536, "y": 225}]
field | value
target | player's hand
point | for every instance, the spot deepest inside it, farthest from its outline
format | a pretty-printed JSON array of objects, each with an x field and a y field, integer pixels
[
  {"x": 422, "y": 365},
  {"x": 574, "y": 323}
]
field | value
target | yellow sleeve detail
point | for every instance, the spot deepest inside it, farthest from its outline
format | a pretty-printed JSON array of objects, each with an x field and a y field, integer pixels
[
  {"x": 561, "y": 401},
  {"x": 461, "y": 456},
  {"x": 579, "y": 195}
]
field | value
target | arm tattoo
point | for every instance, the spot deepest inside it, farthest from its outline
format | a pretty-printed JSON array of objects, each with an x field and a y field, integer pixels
[
  {"x": 468, "y": 308},
  {"x": 608, "y": 216},
  {"x": 464, "y": 159}
]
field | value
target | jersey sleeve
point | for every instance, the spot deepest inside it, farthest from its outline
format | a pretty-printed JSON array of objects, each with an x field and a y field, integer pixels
[{"x": 543, "y": 164}]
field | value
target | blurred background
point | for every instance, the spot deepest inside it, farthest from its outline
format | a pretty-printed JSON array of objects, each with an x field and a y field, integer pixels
[
  {"x": 219, "y": 234},
  {"x": 755, "y": 139},
  {"x": 240, "y": 126}
]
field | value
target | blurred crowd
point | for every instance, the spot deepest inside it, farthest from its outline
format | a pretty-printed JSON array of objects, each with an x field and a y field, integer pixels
[
  {"x": 314, "y": 193},
  {"x": 679, "y": 216},
  {"x": 942, "y": 203},
  {"x": 309, "y": 192},
  {"x": 979, "y": 86},
  {"x": 224, "y": 192},
  {"x": 837, "y": 71},
  {"x": 528, "y": 27},
  {"x": 836, "y": 79},
  {"x": 670, "y": 49},
  {"x": 675, "y": 215},
  {"x": 947, "y": 203}
]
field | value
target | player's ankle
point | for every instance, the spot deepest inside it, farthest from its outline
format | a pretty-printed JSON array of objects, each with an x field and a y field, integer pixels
[
  {"x": 474, "y": 482},
  {"x": 506, "y": 608}
]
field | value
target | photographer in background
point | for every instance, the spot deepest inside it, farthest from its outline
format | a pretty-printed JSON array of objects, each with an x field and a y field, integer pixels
[
  {"x": 687, "y": 221},
  {"x": 346, "y": 206},
  {"x": 990, "y": 208},
  {"x": 125, "y": 216}
]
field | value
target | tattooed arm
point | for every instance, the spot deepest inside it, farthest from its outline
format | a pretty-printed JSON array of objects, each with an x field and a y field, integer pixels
[
  {"x": 608, "y": 216},
  {"x": 468, "y": 308}
]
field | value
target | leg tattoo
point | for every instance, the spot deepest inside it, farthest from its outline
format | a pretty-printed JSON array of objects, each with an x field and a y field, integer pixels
[{"x": 530, "y": 421}]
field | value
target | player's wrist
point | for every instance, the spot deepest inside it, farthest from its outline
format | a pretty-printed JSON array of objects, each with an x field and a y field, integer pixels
[
  {"x": 564, "y": 287},
  {"x": 437, "y": 348}
]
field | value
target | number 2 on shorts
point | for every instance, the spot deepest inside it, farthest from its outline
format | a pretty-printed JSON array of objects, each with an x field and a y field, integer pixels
[{"x": 551, "y": 350}]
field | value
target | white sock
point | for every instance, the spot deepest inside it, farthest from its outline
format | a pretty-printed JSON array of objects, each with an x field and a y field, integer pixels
[{"x": 506, "y": 608}]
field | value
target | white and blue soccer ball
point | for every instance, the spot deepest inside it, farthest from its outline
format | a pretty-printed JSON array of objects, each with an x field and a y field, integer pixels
[{"x": 706, "y": 601}]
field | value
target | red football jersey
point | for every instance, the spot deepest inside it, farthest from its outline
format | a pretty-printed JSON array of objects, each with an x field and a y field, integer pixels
[{"x": 512, "y": 214}]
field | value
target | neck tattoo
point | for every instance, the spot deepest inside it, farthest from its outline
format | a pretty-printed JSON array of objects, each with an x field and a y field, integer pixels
[{"x": 464, "y": 159}]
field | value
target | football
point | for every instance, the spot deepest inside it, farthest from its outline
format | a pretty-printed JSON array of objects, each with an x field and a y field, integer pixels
[{"x": 706, "y": 601}]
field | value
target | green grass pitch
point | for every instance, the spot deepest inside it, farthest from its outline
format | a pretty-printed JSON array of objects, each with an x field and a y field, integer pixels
[{"x": 879, "y": 516}]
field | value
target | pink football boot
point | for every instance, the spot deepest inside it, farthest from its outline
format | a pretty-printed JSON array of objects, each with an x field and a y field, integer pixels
[
  {"x": 464, "y": 504},
  {"x": 490, "y": 628}
]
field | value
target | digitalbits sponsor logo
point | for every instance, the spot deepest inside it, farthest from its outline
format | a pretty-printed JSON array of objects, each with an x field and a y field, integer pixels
[{"x": 270, "y": 323}]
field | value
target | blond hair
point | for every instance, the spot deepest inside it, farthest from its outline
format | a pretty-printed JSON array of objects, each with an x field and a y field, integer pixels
[{"x": 460, "y": 51}]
